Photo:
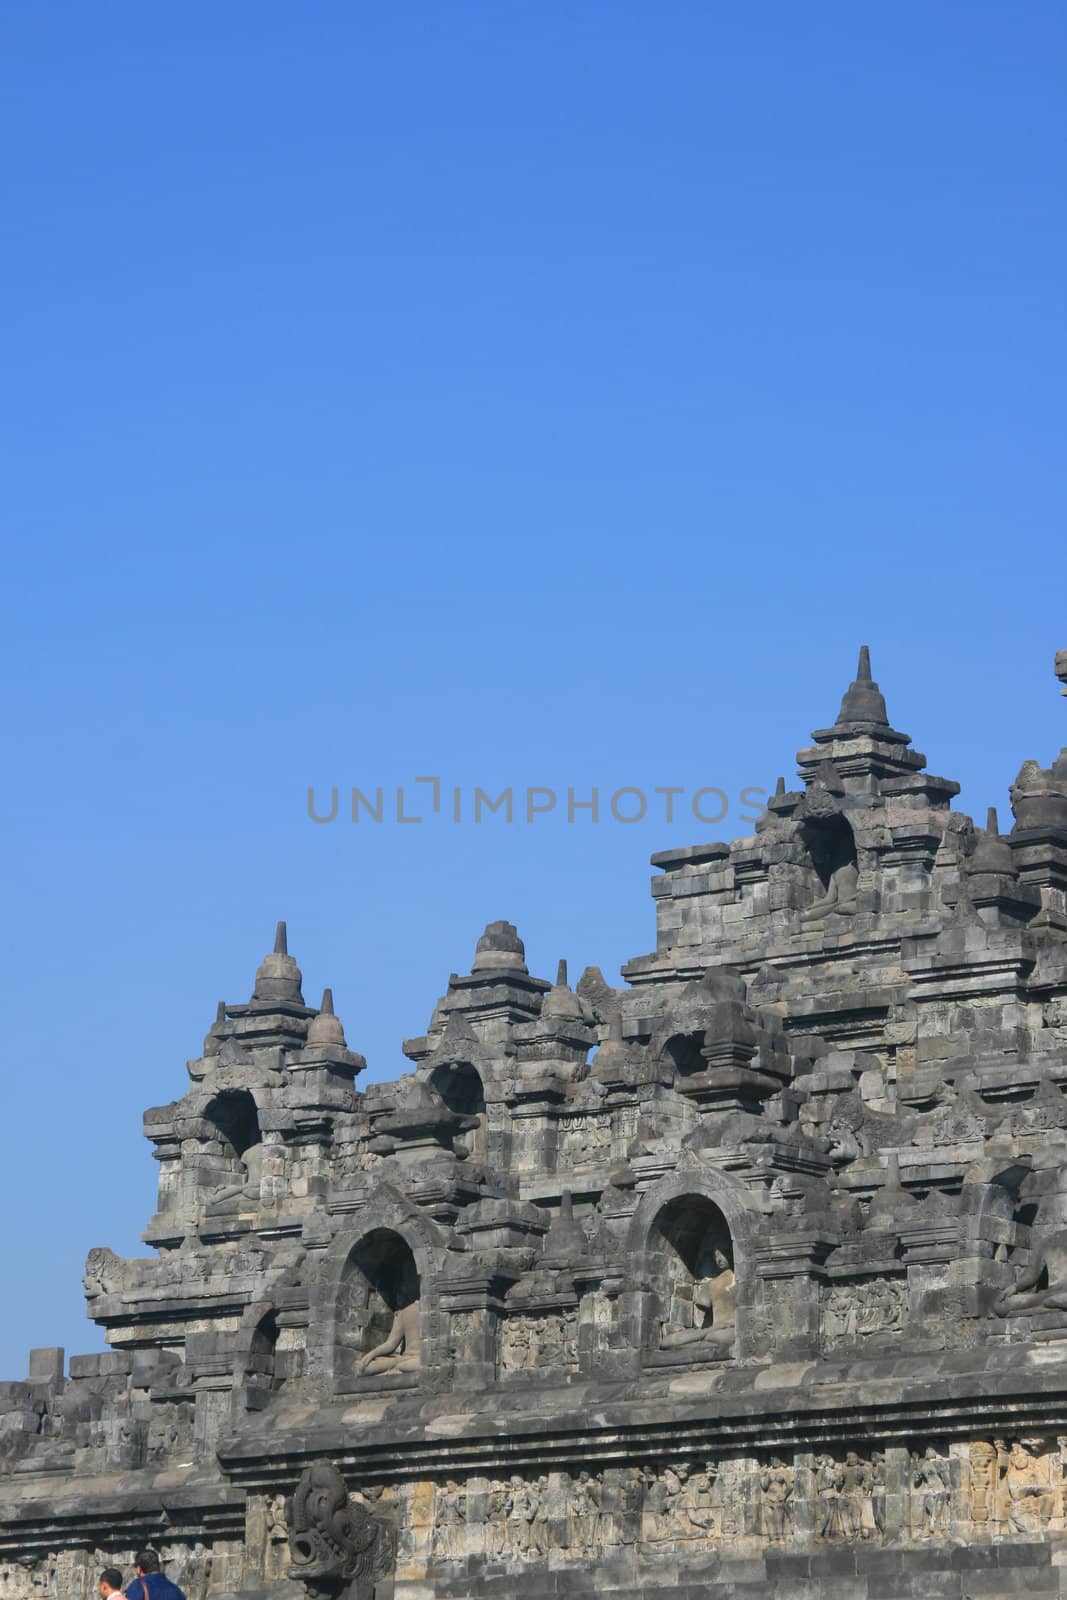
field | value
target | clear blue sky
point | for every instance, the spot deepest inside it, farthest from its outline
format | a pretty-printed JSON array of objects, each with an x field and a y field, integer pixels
[{"x": 548, "y": 394}]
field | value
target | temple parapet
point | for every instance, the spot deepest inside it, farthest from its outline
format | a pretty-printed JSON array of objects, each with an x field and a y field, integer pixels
[{"x": 754, "y": 1265}]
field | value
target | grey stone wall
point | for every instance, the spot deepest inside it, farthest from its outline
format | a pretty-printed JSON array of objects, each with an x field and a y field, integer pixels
[{"x": 747, "y": 1278}]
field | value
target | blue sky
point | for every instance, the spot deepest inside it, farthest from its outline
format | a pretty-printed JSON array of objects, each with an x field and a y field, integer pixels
[{"x": 529, "y": 394}]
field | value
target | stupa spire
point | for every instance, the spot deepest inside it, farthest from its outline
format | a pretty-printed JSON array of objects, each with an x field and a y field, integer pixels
[
  {"x": 278, "y": 978},
  {"x": 325, "y": 1027},
  {"x": 863, "y": 701}
]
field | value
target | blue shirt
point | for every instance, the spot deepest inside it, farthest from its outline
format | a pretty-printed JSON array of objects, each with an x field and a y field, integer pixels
[{"x": 158, "y": 1585}]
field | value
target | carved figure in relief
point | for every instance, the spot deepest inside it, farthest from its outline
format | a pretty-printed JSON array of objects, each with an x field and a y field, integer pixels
[
  {"x": 697, "y": 1503},
  {"x": 878, "y": 1486},
  {"x": 827, "y": 1481},
  {"x": 930, "y": 1477},
  {"x": 656, "y": 1517},
  {"x": 496, "y": 1515},
  {"x": 515, "y": 1344},
  {"x": 523, "y": 1506},
  {"x": 584, "y": 1519},
  {"x": 450, "y": 1519},
  {"x": 777, "y": 1484},
  {"x": 857, "y": 1522},
  {"x": 662, "y": 1491},
  {"x": 1031, "y": 1495},
  {"x": 529, "y": 1343},
  {"x": 857, "y": 1310},
  {"x": 276, "y": 1530},
  {"x": 401, "y": 1351},
  {"x": 539, "y": 1526}
]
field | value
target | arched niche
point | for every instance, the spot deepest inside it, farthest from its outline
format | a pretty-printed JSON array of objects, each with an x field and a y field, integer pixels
[
  {"x": 234, "y": 1119},
  {"x": 233, "y": 1115},
  {"x": 460, "y": 1086},
  {"x": 262, "y": 1363},
  {"x": 831, "y": 844},
  {"x": 692, "y": 1253},
  {"x": 685, "y": 1053},
  {"x": 378, "y": 1314}
]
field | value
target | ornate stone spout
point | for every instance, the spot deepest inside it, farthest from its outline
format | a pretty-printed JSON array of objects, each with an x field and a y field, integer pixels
[{"x": 339, "y": 1550}]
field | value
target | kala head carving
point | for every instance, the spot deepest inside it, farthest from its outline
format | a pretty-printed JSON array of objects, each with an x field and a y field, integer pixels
[{"x": 337, "y": 1546}]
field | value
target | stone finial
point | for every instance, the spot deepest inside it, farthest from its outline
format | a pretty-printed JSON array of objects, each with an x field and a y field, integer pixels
[
  {"x": 278, "y": 978},
  {"x": 500, "y": 949},
  {"x": 561, "y": 1001},
  {"x": 1039, "y": 795},
  {"x": 992, "y": 853},
  {"x": 887, "y": 1201},
  {"x": 779, "y": 788},
  {"x": 211, "y": 1039},
  {"x": 565, "y": 1239},
  {"x": 1061, "y": 667},
  {"x": 325, "y": 1027},
  {"x": 863, "y": 701},
  {"x": 613, "y": 1055}
]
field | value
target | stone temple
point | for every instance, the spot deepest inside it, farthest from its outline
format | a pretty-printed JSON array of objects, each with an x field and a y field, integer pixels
[{"x": 747, "y": 1278}]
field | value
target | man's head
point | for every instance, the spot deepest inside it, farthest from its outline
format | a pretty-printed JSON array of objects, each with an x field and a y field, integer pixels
[
  {"x": 145, "y": 1561},
  {"x": 110, "y": 1582}
]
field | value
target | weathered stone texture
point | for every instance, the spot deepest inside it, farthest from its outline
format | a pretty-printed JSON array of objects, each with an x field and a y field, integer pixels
[{"x": 747, "y": 1279}]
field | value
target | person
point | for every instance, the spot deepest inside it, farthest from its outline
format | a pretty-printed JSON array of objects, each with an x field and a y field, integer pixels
[
  {"x": 110, "y": 1583},
  {"x": 150, "y": 1583}
]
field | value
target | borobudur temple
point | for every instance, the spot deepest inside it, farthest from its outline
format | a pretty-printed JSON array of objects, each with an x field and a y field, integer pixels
[{"x": 745, "y": 1279}]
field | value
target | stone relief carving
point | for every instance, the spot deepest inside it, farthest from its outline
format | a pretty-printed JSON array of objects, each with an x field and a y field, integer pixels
[
  {"x": 949, "y": 1127},
  {"x": 521, "y": 1518},
  {"x": 931, "y": 1485},
  {"x": 584, "y": 1139},
  {"x": 105, "y": 1272},
  {"x": 496, "y": 1511},
  {"x": 1029, "y": 1469},
  {"x": 983, "y": 1460},
  {"x": 683, "y": 1505},
  {"x": 850, "y": 1497},
  {"x": 522, "y": 1525},
  {"x": 335, "y": 1542},
  {"x": 450, "y": 1516},
  {"x": 777, "y": 1483},
  {"x": 528, "y": 1342},
  {"x": 585, "y": 1534},
  {"x": 1016, "y": 1486},
  {"x": 854, "y": 1311}
]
